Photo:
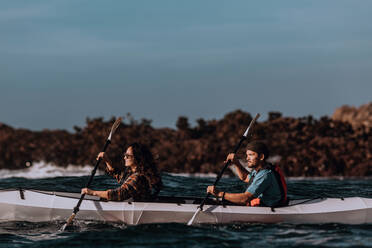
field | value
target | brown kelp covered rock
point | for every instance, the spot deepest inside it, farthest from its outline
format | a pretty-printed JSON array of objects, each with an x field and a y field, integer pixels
[
  {"x": 361, "y": 116},
  {"x": 302, "y": 146},
  {"x": 324, "y": 147}
]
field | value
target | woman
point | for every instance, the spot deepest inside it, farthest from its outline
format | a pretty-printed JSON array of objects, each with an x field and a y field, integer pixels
[{"x": 141, "y": 179}]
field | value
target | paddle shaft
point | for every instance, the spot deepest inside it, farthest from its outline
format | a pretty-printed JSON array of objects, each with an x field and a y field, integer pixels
[
  {"x": 222, "y": 171},
  {"x": 200, "y": 207},
  {"x": 108, "y": 141},
  {"x": 76, "y": 209},
  {"x": 244, "y": 137}
]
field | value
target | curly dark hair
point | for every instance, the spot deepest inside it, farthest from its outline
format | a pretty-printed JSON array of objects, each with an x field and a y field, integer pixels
[{"x": 146, "y": 165}]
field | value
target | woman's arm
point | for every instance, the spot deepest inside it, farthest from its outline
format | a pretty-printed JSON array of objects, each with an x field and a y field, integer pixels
[
  {"x": 110, "y": 170},
  {"x": 99, "y": 193},
  {"x": 103, "y": 156}
]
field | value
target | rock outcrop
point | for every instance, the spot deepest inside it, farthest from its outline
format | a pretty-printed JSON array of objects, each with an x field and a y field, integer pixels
[
  {"x": 301, "y": 146},
  {"x": 357, "y": 116}
]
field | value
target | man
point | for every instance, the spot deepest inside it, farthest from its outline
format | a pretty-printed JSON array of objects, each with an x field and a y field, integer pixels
[{"x": 264, "y": 188}]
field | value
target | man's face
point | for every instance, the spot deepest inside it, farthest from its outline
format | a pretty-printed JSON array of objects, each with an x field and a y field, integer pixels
[{"x": 252, "y": 158}]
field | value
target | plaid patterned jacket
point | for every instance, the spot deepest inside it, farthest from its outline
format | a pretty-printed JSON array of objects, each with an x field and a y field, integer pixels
[{"x": 134, "y": 186}]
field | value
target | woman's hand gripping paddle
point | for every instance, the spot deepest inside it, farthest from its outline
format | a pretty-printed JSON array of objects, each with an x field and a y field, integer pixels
[
  {"x": 108, "y": 141},
  {"x": 244, "y": 137}
]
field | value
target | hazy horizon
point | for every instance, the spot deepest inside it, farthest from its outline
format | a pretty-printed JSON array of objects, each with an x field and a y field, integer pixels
[{"x": 64, "y": 61}]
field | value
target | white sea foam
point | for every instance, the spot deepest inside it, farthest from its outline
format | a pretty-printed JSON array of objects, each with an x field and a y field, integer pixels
[{"x": 45, "y": 170}]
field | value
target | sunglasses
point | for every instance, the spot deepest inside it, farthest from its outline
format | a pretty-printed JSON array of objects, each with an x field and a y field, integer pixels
[{"x": 126, "y": 155}]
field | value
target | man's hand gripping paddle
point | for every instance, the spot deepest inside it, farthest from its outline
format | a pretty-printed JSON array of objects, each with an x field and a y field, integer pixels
[{"x": 244, "y": 137}]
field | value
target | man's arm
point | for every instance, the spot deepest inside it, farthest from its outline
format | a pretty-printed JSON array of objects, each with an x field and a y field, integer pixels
[
  {"x": 237, "y": 198},
  {"x": 243, "y": 174},
  {"x": 241, "y": 171}
]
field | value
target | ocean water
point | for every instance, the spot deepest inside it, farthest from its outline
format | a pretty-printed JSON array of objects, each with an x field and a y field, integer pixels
[{"x": 100, "y": 234}]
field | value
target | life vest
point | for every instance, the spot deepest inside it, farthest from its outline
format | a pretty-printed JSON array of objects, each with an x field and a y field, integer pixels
[
  {"x": 255, "y": 202},
  {"x": 279, "y": 176}
]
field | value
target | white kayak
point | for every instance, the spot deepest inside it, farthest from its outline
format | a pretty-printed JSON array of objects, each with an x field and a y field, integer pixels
[{"x": 39, "y": 206}]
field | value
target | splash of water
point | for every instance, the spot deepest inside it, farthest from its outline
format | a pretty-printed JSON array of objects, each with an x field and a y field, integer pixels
[{"x": 46, "y": 170}]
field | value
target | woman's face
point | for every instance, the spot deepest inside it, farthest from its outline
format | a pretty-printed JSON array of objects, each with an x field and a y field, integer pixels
[{"x": 129, "y": 158}]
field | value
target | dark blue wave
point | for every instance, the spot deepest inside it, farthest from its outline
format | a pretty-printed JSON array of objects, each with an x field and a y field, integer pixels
[{"x": 99, "y": 234}]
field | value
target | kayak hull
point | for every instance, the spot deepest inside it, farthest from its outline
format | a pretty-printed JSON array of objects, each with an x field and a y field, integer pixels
[{"x": 40, "y": 206}]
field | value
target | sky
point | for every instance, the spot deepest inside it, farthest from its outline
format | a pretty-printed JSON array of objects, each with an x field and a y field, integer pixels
[{"x": 67, "y": 60}]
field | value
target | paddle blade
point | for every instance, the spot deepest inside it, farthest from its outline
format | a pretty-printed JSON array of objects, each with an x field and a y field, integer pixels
[
  {"x": 69, "y": 222},
  {"x": 191, "y": 221},
  {"x": 251, "y": 124},
  {"x": 114, "y": 127}
]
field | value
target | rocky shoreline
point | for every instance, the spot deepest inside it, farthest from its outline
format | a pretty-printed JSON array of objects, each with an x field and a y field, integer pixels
[{"x": 301, "y": 146}]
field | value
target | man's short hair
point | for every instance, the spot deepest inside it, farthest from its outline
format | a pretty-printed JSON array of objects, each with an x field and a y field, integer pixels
[{"x": 259, "y": 147}]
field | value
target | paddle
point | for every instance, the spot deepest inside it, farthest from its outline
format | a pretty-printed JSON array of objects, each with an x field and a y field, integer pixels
[
  {"x": 200, "y": 208},
  {"x": 108, "y": 141}
]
